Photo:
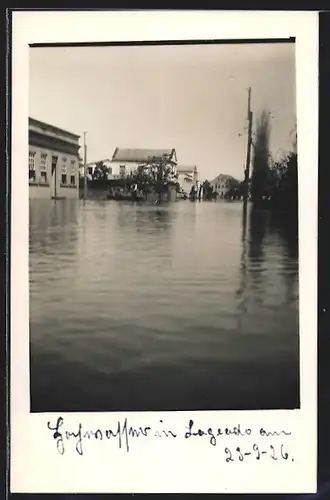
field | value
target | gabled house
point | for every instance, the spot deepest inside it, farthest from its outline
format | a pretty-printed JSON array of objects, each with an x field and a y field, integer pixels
[
  {"x": 222, "y": 183},
  {"x": 126, "y": 161}
]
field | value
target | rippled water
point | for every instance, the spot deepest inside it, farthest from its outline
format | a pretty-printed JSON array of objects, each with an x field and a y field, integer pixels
[{"x": 139, "y": 307}]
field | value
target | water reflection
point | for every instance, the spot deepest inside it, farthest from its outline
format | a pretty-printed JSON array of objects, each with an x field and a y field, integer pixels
[
  {"x": 254, "y": 229},
  {"x": 242, "y": 302},
  {"x": 54, "y": 224},
  {"x": 54, "y": 230},
  {"x": 161, "y": 307},
  {"x": 263, "y": 232},
  {"x": 287, "y": 230},
  {"x": 257, "y": 229},
  {"x": 154, "y": 219},
  {"x": 268, "y": 289}
]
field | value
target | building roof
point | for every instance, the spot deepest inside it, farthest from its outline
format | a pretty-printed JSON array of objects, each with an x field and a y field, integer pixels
[
  {"x": 97, "y": 161},
  {"x": 43, "y": 125},
  {"x": 186, "y": 169},
  {"x": 141, "y": 155},
  {"x": 226, "y": 177}
]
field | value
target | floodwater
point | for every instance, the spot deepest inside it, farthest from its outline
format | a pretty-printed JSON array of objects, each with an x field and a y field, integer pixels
[{"x": 178, "y": 307}]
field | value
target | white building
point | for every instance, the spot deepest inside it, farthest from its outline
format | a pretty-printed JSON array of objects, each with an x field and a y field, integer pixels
[
  {"x": 223, "y": 183},
  {"x": 91, "y": 167},
  {"x": 126, "y": 161},
  {"x": 187, "y": 177}
]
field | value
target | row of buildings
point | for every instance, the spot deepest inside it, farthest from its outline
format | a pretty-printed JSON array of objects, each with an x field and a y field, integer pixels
[
  {"x": 126, "y": 161},
  {"x": 55, "y": 168}
]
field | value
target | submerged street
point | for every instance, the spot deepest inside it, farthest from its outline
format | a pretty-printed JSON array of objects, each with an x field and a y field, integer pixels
[{"x": 182, "y": 306}]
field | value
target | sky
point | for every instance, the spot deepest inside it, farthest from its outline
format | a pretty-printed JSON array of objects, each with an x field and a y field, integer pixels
[{"x": 191, "y": 97}]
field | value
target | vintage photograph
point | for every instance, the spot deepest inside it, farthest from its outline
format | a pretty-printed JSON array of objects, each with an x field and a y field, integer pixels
[{"x": 163, "y": 227}]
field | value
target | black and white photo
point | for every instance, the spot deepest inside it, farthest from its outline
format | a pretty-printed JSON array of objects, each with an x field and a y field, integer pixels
[
  {"x": 163, "y": 202},
  {"x": 163, "y": 303}
]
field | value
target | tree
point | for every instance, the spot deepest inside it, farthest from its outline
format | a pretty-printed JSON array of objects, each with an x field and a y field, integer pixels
[
  {"x": 208, "y": 193},
  {"x": 157, "y": 174},
  {"x": 284, "y": 177},
  {"x": 260, "y": 164},
  {"x": 284, "y": 174},
  {"x": 233, "y": 183},
  {"x": 100, "y": 172},
  {"x": 178, "y": 187}
]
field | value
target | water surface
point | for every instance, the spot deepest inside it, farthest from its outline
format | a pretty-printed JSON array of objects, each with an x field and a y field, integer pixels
[{"x": 184, "y": 306}]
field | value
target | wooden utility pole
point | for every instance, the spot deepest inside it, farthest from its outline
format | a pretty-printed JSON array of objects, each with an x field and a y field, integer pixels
[
  {"x": 85, "y": 167},
  {"x": 249, "y": 144}
]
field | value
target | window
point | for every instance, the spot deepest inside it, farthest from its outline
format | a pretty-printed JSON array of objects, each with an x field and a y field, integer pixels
[
  {"x": 90, "y": 170},
  {"x": 73, "y": 173},
  {"x": 32, "y": 166},
  {"x": 122, "y": 170},
  {"x": 43, "y": 177},
  {"x": 54, "y": 163},
  {"x": 43, "y": 168},
  {"x": 64, "y": 171}
]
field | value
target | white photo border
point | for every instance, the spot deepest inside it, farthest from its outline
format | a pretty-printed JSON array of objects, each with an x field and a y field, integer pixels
[{"x": 181, "y": 466}]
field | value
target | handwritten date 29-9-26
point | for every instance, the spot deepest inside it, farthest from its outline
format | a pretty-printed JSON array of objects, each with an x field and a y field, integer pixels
[{"x": 256, "y": 452}]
